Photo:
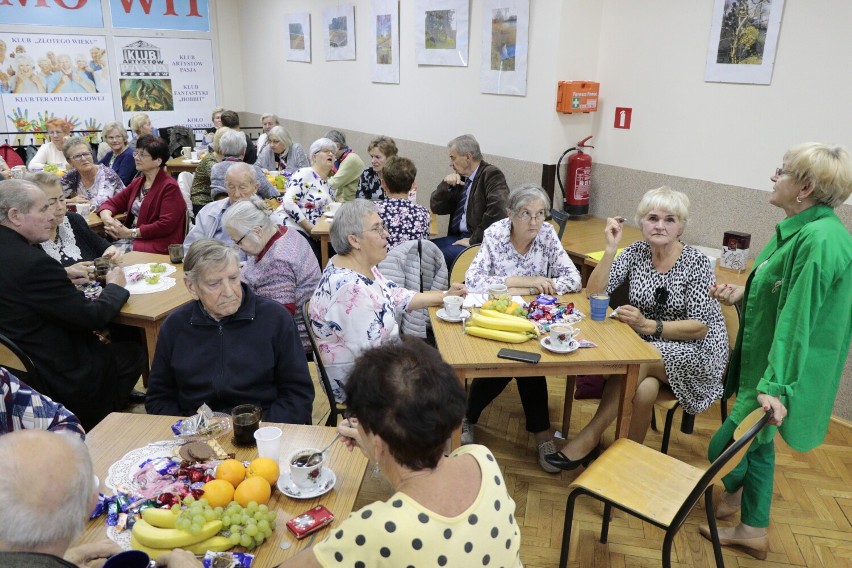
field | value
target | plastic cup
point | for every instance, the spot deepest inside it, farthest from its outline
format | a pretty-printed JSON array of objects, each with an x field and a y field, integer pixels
[
  {"x": 599, "y": 304},
  {"x": 453, "y": 306},
  {"x": 128, "y": 559},
  {"x": 305, "y": 476},
  {"x": 246, "y": 420},
  {"x": 268, "y": 441}
]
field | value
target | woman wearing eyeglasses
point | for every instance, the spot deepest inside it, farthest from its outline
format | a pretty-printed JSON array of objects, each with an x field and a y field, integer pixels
[
  {"x": 51, "y": 152},
  {"x": 668, "y": 307},
  {"x": 88, "y": 181},
  {"x": 354, "y": 307},
  {"x": 794, "y": 334},
  {"x": 523, "y": 253}
]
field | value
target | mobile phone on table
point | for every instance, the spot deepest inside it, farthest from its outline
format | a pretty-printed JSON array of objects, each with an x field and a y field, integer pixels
[{"x": 515, "y": 355}]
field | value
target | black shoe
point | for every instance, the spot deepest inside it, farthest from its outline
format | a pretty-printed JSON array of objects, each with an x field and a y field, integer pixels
[
  {"x": 562, "y": 462},
  {"x": 137, "y": 397}
]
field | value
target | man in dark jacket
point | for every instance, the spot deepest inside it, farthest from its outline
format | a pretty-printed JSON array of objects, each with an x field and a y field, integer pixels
[
  {"x": 474, "y": 196},
  {"x": 229, "y": 347},
  {"x": 51, "y": 320}
]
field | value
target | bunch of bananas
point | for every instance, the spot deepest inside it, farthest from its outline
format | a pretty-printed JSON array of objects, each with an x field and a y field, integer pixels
[
  {"x": 155, "y": 534},
  {"x": 490, "y": 324}
]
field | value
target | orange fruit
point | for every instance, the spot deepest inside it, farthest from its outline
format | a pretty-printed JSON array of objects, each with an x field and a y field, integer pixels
[
  {"x": 267, "y": 468},
  {"x": 255, "y": 489},
  {"x": 218, "y": 492},
  {"x": 232, "y": 471}
]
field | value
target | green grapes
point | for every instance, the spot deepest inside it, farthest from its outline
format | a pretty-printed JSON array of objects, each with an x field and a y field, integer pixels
[{"x": 246, "y": 526}]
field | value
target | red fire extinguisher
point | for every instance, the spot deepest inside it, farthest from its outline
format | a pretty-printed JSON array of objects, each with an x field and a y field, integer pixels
[{"x": 579, "y": 174}]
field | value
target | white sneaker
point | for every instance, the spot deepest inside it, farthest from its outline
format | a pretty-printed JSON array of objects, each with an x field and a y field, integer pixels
[
  {"x": 467, "y": 433},
  {"x": 545, "y": 448}
]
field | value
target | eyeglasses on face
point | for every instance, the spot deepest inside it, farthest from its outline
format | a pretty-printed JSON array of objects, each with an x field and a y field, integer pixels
[
  {"x": 81, "y": 156},
  {"x": 780, "y": 172},
  {"x": 141, "y": 154},
  {"x": 115, "y": 137},
  {"x": 238, "y": 241},
  {"x": 661, "y": 296},
  {"x": 526, "y": 215},
  {"x": 378, "y": 228}
]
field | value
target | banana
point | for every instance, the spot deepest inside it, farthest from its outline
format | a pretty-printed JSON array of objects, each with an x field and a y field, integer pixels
[
  {"x": 496, "y": 334},
  {"x": 496, "y": 314},
  {"x": 511, "y": 323},
  {"x": 216, "y": 544},
  {"x": 160, "y": 518},
  {"x": 172, "y": 538}
]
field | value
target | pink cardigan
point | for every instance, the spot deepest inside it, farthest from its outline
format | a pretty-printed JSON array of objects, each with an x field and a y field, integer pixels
[{"x": 162, "y": 216}]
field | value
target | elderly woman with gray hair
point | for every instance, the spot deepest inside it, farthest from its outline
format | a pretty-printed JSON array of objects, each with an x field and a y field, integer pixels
[
  {"x": 232, "y": 148},
  {"x": 267, "y": 122},
  {"x": 280, "y": 265},
  {"x": 88, "y": 181},
  {"x": 523, "y": 253},
  {"x": 354, "y": 307},
  {"x": 280, "y": 154},
  {"x": 120, "y": 155},
  {"x": 228, "y": 347}
]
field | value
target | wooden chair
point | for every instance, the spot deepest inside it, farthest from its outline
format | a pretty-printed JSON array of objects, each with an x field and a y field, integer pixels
[
  {"x": 667, "y": 400},
  {"x": 462, "y": 262},
  {"x": 18, "y": 362},
  {"x": 655, "y": 487},
  {"x": 335, "y": 408}
]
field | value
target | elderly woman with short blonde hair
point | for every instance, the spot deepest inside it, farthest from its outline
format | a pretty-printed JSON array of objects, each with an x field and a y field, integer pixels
[{"x": 120, "y": 155}]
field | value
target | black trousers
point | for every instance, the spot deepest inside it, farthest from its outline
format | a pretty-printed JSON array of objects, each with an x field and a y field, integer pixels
[
  {"x": 128, "y": 361},
  {"x": 533, "y": 391}
]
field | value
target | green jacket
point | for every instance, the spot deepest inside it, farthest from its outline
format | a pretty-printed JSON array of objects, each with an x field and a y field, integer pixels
[
  {"x": 345, "y": 181},
  {"x": 796, "y": 326}
]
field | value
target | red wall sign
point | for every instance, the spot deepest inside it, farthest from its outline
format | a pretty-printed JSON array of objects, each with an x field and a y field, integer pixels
[{"x": 622, "y": 117}]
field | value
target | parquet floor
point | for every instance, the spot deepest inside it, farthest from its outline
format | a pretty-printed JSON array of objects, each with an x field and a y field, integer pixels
[{"x": 811, "y": 508}]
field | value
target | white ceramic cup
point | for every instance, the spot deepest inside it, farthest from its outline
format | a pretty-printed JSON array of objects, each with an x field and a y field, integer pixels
[
  {"x": 561, "y": 335},
  {"x": 193, "y": 156},
  {"x": 186, "y": 151},
  {"x": 84, "y": 209},
  {"x": 268, "y": 441},
  {"x": 453, "y": 306},
  {"x": 305, "y": 477}
]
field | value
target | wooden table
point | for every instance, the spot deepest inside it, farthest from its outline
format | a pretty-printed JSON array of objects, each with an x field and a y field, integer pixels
[
  {"x": 149, "y": 311},
  {"x": 95, "y": 222},
  {"x": 179, "y": 164},
  {"x": 619, "y": 351},
  {"x": 320, "y": 230},
  {"x": 120, "y": 433}
]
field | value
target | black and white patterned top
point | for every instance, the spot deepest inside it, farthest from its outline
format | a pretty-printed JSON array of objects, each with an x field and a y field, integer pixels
[
  {"x": 404, "y": 220},
  {"x": 369, "y": 185},
  {"x": 694, "y": 367}
]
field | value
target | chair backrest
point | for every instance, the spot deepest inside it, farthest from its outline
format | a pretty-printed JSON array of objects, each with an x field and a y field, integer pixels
[
  {"x": 185, "y": 183},
  {"x": 462, "y": 262},
  {"x": 737, "y": 447},
  {"x": 334, "y": 407},
  {"x": 732, "y": 322},
  {"x": 16, "y": 361}
]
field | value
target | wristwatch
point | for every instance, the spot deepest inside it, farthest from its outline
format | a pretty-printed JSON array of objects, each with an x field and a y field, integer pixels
[
  {"x": 134, "y": 233},
  {"x": 532, "y": 290},
  {"x": 659, "y": 332}
]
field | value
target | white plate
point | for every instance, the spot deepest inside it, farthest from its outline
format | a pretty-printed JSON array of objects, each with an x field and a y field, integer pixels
[
  {"x": 142, "y": 287},
  {"x": 442, "y": 314},
  {"x": 146, "y": 267},
  {"x": 572, "y": 346},
  {"x": 326, "y": 481}
]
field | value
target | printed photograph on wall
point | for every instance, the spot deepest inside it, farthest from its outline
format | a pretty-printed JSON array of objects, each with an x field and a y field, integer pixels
[
  {"x": 298, "y": 28},
  {"x": 339, "y": 32},
  {"x": 45, "y": 76},
  {"x": 505, "y": 44},
  {"x": 441, "y": 32},
  {"x": 386, "y": 41},
  {"x": 743, "y": 40}
]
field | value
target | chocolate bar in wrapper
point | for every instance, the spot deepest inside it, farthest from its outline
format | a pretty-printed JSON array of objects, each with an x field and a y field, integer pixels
[{"x": 310, "y": 521}]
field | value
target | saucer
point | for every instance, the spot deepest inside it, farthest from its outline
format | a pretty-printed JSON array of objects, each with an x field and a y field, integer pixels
[
  {"x": 324, "y": 484},
  {"x": 442, "y": 313},
  {"x": 572, "y": 346}
]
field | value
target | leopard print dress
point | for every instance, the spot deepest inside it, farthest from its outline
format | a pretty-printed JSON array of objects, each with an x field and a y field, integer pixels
[{"x": 694, "y": 367}]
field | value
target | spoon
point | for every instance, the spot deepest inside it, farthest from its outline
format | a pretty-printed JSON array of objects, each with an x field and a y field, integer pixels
[{"x": 314, "y": 458}]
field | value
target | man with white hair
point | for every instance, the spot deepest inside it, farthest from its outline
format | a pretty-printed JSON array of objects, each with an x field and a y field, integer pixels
[
  {"x": 232, "y": 147},
  {"x": 240, "y": 183}
]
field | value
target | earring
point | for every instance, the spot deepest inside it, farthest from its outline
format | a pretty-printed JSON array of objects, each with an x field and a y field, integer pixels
[{"x": 798, "y": 199}]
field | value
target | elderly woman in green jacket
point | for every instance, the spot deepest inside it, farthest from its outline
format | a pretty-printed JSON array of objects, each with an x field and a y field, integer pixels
[{"x": 794, "y": 335}]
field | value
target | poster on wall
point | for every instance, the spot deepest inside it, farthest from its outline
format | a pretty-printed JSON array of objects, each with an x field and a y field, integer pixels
[
  {"x": 338, "y": 25},
  {"x": 80, "y": 13},
  {"x": 44, "y": 76},
  {"x": 299, "y": 32},
  {"x": 743, "y": 38},
  {"x": 181, "y": 15},
  {"x": 169, "y": 79},
  {"x": 505, "y": 43},
  {"x": 441, "y": 32},
  {"x": 385, "y": 41}
]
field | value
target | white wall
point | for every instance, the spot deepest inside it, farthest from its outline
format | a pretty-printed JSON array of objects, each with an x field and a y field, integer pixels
[{"x": 646, "y": 55}]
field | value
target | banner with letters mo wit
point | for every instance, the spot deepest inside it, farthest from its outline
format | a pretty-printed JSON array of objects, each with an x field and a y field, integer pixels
[
  {"x": 74, "y": 13},
  {"x": 183, "y": 15},
  {"x": 44, "y": 76},
  {"x": 170, "y": 79}
]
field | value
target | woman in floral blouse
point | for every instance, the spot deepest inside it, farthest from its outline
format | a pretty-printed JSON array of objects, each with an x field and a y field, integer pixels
[
  {"x": 404, "y": 219},
  {"x": 523, "y": 253},
  {"x": 381, "y": 149},
  {"x": 354, "y": 308},
  {"x": 90, "y": 181},
  {"x": 308, "y": 192}
]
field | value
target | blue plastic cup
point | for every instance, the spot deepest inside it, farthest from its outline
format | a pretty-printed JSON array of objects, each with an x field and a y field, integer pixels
[{"x": 599, "y": 303}]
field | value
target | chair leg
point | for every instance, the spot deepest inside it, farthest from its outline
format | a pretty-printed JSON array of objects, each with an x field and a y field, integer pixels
[
  {"x": 724, "y": 409},
  {"x": 566, "y": 530},
  {"x": 711, "y": 523},
  {"x": 668, "y": 542},
  {"x": 654, "y": 419},
  {"x": 667, "y": 430},
  {"x": 687, "y": 423},
  {"x": 607, "y": 515}
]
